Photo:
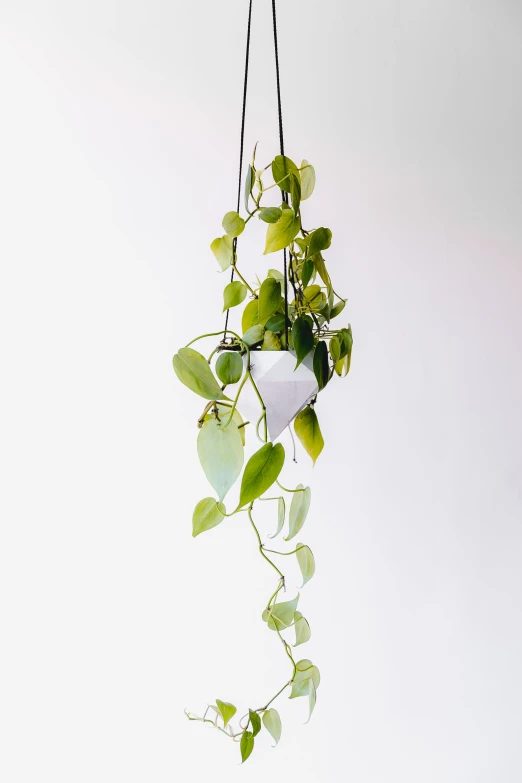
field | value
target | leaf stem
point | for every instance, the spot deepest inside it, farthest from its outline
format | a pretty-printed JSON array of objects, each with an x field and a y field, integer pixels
[
  {"x": 288, "y": 490},
  {"x": 260, "y": 545}
]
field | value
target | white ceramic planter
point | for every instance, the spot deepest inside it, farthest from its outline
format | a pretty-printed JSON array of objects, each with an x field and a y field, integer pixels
[{"x": 285, "y": 390}]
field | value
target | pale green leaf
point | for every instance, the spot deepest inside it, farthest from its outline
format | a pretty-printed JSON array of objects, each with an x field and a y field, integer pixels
[
  {"x": 220, "y": 451},
  {"x": 281, "y": 615},
  {"x": 207, "y": 514},
  {"x": 302, "y": 629},
  {"x": 246, "y": 745},
  {"x": 270, "y": 214},
  {"x": 306, "y": 426},
  {"x": 233, "y": 294},
  {"x": 306, "y": 562},
  {"x": 253, "y": 335},
  {"x": 280, "y": 234},
  {"x": 276, "y": 274},
  {"x": 312, "y": 696},
  {"x": 271, "y": 342},
  {"x": 249, "y": 181},
  {"x": 233, "y": 224},
  {"x": 323, "y": 273},
  {"x": 281, "y": 509},
  {"x": 272, "y": 723},
  {"x": 192, "y": 369},
  {"x": 223, "y": 251},
  {"x": 229, "y": 367},
  {"x": 224, "y": 414},
  {"x": 260, "y": 472},
  {"x": 307, "y": 180},
  {"x": 226, "y": 710},
  {"x": 299, "y": 508},
  {"x": 305, "y": 671}
]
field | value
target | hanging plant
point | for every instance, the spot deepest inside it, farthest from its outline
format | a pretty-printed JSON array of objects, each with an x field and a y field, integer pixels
[{"x": 287, "y": 352}]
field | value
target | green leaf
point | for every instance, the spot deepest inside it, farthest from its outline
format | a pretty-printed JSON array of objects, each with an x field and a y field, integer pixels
[
  {"x": 220, "y": 451},
  {"x": 335, "y": 349},
  {"x": 281, "y": 509},
  {"x": 261, "y": 471},
  {"x": 295, "y": 193},
  {"x": 282, "y": 168},
  {"x": 250, "y": 315},
  {"x": 302, "y": 338},
  {"x": 233, "y": 224},
  {"x": 302, "y": 629},
  {"x": 336, "y": 309},
  {"x": 224, "y": 414},
  {"x": 270, "y": 214},
  {"x": 246, "y": 745},
  {"x": 226, "y": 710},
  {"x": 312, "y": 697},
  {"x": 233, "y": 294},
  {"x": 305, "y": 671},
  {"x": 321, "y": 365},
  {"x": 192, "y": 369},
  {"x": 306, "y": 562},
  {"x": 315, "y": 299},
  {"x": 253, "y": 335},
  {"x": 229, "y": 367},
  {"x": 271, "y": 342},
  {"x": 276, "y": 323},
  {"x": 269, "y": 298},
  {"x": 281, "y": 615},
  {"x": 307, "y": 180},
  {"x": 299, "y": 508},
  {"x": 307, "y": 272},
  {"x": 207, "y": 514},
  {"x": 255, "y": 722},
  {"x": 320, "y": 239},
  {"x": 306, "y": 426},
  {"x": 249, "y": 181},
  {"x": 272, "y": 723},
  {"x": 280, "y": 234},
  {"x": 222, "y": 249},
  {"x": 323, "y": 272},
  {"x": 276, "y": 274}
]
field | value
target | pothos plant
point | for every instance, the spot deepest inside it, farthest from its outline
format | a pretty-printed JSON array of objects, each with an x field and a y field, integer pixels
[{"x": 270, "y": 322}]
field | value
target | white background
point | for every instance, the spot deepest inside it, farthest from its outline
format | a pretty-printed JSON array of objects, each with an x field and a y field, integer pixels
[{"x": 118, "y": 149}]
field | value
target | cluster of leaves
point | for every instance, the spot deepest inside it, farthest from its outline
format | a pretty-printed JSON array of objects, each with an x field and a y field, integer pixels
[{"x": 270, "y": 322}]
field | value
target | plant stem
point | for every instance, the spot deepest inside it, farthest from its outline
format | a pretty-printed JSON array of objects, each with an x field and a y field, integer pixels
[
  {"x": 260, "y": 545},
  {"x": 238, "y": 273},
  {"x": 275, "y": 552},
  {"x": 260, "y": 400},
  {"x": 288, "y": 490}
]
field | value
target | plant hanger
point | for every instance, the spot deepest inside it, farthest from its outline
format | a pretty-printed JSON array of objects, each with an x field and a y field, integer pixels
[{"x": 287, "y": 353}]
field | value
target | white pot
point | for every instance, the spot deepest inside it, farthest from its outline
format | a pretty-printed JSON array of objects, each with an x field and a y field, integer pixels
[{"x": 284, "y": 389}]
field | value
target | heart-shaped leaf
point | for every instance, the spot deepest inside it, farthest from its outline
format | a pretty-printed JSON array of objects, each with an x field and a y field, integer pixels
[
  {"x": 233, "y": 224},
  {"x": 282, "y": 169},
  {"x": 260, "y": 472},
  {"x": 280, "y": 234},
  {"x": 281, "y": 615},
  {"x": 207, "y": 514},
  {"x": 298, "y": 510},
  {"x": 269, "y": 298},
  {"x": 222, "y": 248},
  {"x": 253, "y": 335},
  {"x": 255, "y": 722},
  {"x": 272, "y": 723},
  {"x": 246, "y": 745},
  {"x": 321, "y": 366},
  {"x": 306, "y": 562},
  {"x": 192, "y": 369},
  {"x": 229, "y": 367},
  {"x": 226, "y": 710},
  {"x": 270, "y": 214},
  {"x": 302, "y": 629},
  {"x": 305, "y": 671},
  {"x": 250, "y": 315},
  {"x": 307, "y": 180},
  {"x": 233, "y": 294},
  {"x": 320, "y": 239},
  {"x": 220, "y": 451},
  {"x": 306, "y": 426},
  {"x": 281, "y": 508}
]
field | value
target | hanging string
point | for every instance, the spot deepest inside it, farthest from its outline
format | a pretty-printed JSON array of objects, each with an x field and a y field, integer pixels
[
  {"x": 241, "y": 150},
  {"x": 241, "y": 145}
]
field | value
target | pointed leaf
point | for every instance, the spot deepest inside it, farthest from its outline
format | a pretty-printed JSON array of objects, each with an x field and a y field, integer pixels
[
  {"x": 280, "y": 234},
  {"x": 306, "y": 272},
  {"x": 312, "y": 696},
  {"x": 276, "y": 323},
  {"x": 314, "y": 298},
  {"x": 224, "y": 413},
  {"x": 207, "y": 514},
  {"x": 229, "y": 367},
  {"x": 295, "y": 193},
  {"x": 323, "y": 273},
  {"x": 335, "y": 348},
  {"x": 281, "y": 508},
  {"x": 261, "y": 471},
  {"x": 249, "y": 181},
  {"x": 255, "y": 722},
  {"x": 192, "y": 369},
  {"x": 253, "y": 335},
  {"x": 250, "y": 315},
  {"x": 282, "y": 168},
  {"x": 276, "y": 274},
  {"x": 307, "y": 180},
  {"x": 271, "y": 342},
  {"x": 223, "y": 251},
  {"x": 298, "y": 510},
  {"x": 220, "y": 451},
  {"x": 306, "y": 426},
  {"x": 305, "y": 671},
  {"x": 226, "y": 710},
  {"x": 320, "y": 239},
  {"x": 270, "y": 214},
  {"x": 233, "y": 294},
  {"x": 302, "y": 629},
  {"x": 306, "y": 562},
  {"x": 336, "y": 309},
  {"x": 272, "y": 723},
  {"x": 302, "y": 338},
  {"x": 281, "y": 615},
  {"x": 246, "y": 745},
  {"x": 233, "y": 224},
  {"x": 321, "y": 366},
  {"x": 269, "y": 298}
]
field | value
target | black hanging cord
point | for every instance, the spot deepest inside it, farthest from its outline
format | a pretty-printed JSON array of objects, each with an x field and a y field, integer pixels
[
  {"x": 241, "y": 145},
  {"x": 241, "y": 150}
]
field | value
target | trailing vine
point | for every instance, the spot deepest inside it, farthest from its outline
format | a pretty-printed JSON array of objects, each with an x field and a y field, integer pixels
[{"x": 270, "y": 322}]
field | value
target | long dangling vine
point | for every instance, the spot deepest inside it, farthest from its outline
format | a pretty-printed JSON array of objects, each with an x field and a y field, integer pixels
[{"x": 269, "y": 323}]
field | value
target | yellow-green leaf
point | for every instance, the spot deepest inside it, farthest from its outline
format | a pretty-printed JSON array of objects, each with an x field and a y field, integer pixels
[
  {"x": 271, "y": 341},
  {"x": 250, "y": 315},
  {"x": 272, "y": 723},
  {"x": 192, "y": 369},
  {"x": 207, "y": 514},
  {"x": 280, "y": 234},
  {"x": 229, "y": 367},
  {"x": 305, "y": 671},
  {"x": 226, "y": 710},
  {"x": 306, "y": 562},
  {"x": 246, "y": 745},
  {"x": 281, "y": 615},
  {"x": 269, "y": 298},
  {"x": 302, "y": 629},
  {"x": 307, "y": 180},
  {"x": 299, "y": 508},
  {"x": 233, "y": 224},
  {"x": 306, "y": 426},
  {"x": 260, "y": 472},
  {"x": 233, "y": 294},
  {"x": 223, "y": 251}
]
